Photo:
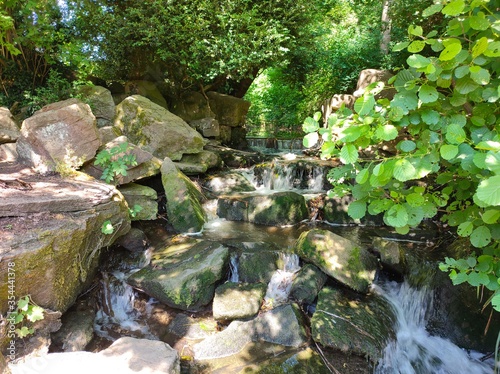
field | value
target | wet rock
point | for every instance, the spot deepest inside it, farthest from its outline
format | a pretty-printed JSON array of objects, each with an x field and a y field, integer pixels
[
  {"x": 228, "y": 183},
  {"x": 155, "y": 129},
  {"x": 208, "y": 159},
  {"x": 184, "y": 208},
  {"x": 277, "y": 209},
  {"x": 124, "y": 356},
  {"x": 340, "y": 258},
  {"x": 184, "y": 277},
  {"x": 391, "y": 254},
  {"x": 62, "y": 133},
  {"x": 135, "y": 240},
  {"x": 351, "y": 323},
  {"x": 9, "y": 131},
  {"x": 307, "y": 284},
  {"x": 76, "y": 332},
  {"x": 257, "y": 266},
  {"x": 237, "y": 301},
  {"x": 101, "y": 102},
  {"x": 184, "y": 326},
  {"x": 143, "y": 196}
]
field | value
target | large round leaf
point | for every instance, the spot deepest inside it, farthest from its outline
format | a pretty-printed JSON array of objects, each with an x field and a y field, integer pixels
[
  {"x": 404, "y": 170},
  {"x": 488, "y": 191},
  {"x": 349, "y": 154}
]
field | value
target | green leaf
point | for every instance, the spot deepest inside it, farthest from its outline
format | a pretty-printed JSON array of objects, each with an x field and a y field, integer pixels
[
  {"x": 415, "y": 30},
  {"x": 107, "y": 228},
  {"x": 396, "y": 216},
  {"x": 492, "y": 162},
  {"x": 491, "y": 216},
  {"x": 488, "y": 191},
  {"x": 479, "y": 47},
  {"x": 448, "y": 151},
  {"x": 404, "y": 170},
  {"x": 454, "y": 8},
  {"x": 495, "y": 301},
  {"x": 349, "y": 154},
  {"x": 455, "y": 134},
  {"x": 357, "y": 209},
  {"x": 430, "y": 117},
  {"x": 479, "y": 22},
  {"x": 481, "y": 76},
  {"x": 310, "y": 139},
  {"x": 386, "y": 132},
  {"x": 363, "y": 176},
  {"x": 493, "y": 50},
  {"x": 36, "y": 314},
  {"x": 23, "y": 303},
  {"x": 310, "y": 125},
  {"x": 433, "y": 9},
  {"x": 418, "y": 61},
  {"x": 364, "y": 104},
  {"x": 450, "y": 52},
  {"x": 407, "y": 145},
  {"x": 416, "y": 46},
  {"x": 465, "y": 85},
  {"x": 427, "y": 94},
  {"x": 476, "y": 279},
  {"x": 465, "y": 229},
  {"x": 400, "y": 46},
  {"x": 415, "y": 199},
  {"x": 480, "y": 237}
]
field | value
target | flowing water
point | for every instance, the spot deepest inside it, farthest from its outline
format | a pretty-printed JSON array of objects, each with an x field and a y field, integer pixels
[{"x": 415, "y": 351}]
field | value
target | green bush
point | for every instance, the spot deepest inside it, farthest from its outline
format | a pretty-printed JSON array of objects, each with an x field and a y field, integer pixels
[{"x": 443, "y": 123}]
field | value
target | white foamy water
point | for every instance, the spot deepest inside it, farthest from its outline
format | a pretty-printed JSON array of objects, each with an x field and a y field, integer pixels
[
  {"x": 280, "y": 284},
  {"x": 415, "y": 351}
]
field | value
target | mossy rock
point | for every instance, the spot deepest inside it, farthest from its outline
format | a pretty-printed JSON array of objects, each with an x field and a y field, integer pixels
[{"x": 351, "y": 323}]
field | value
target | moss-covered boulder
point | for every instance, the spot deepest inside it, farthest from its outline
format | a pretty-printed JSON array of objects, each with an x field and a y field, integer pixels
[
  {"x": 257, "y": 266},
  {"x": 184, "y": 209},
  {"x": 143, "y": 196},
  {"x": 307, "y": 284},
  {"x": 340, "y": 258},
  {"x": 51, "y": 236},
  {"x": 155, "y": 129},
  {"x": 228, "y": 183},
  {"x": 360, "y": 325},
  {"x": 237, "y": 300},
  {"x": 185, "y": 276},
  {"x": 101, "y": 102},
  {"x": 278, "y": 209}
]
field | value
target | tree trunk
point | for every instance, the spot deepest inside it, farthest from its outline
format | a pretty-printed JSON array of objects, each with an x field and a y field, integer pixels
[{"x": 386, "y": 27}]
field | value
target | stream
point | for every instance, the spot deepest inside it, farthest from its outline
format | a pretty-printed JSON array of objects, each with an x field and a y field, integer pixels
[{"x": 414, "y": 350}]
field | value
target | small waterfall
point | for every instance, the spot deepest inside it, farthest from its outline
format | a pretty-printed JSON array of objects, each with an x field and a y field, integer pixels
[
  {"x": 233, "y": 267},
  {"x": 415, "y": 351},
  {"x": 280, "y": 284}
]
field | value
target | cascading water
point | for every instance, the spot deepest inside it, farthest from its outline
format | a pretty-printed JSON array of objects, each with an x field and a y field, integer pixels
[
  {"x": 233, "y": 268},
  {"x": 280, "y": 284},
  {"x": 415, "y": 351}
]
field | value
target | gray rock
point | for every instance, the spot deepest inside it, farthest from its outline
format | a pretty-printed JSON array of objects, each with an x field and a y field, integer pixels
[
  {"x": 208, "y": 127},
  {"x": 184, "y": 278},
  {"x": 101, "y": 102},
  {"x": 229, "y": 110},
  {"x": 146, "y": 164},
  {"x": 134, "y": 240},
  {"x": 184, "y": 208},
  {"x": 125, "y": 356},
  {"x": 143, "y": 196},
  {"x": 237, "y": 301},
  {"x": 76, "y": 332},
  {"x": 307, "y": 284},
  {"x": 147, "y": 89},
  {"x": 358, "y": 325},
  {"x": 277, "y": 209},
  {"x": 391, "y": 254},
  {"x": 8, "y": 152},
  {"x": 342, "y": 259},
  {"x": 109, "y": 133},
  {"x": 257, "y": 266},
  {"x": 62, "y": 133},
  {"x": 155, "y": 129},
  {"x": 208, "y": 159},
  {"x": 9, "y": 131},
  {"x": 192, "y": 106},
  {"x": 282, "y": 325},
  {"x": 184, "y": 326}
]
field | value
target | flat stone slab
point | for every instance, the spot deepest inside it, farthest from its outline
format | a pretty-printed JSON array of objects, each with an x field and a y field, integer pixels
[{"x": 25, "y": 192}]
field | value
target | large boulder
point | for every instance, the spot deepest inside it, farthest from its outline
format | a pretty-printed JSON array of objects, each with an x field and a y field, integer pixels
[
  {"x": 184, "y": 277},
  {"x": 101, "y": 102},
  {"x": 358, "y": 325},
  {"x": 145, "y": 164},
  {"x": 369, "y": 76},
  {"x": 51, "y": 230},
  {"x": 278, "y": 209},
  {"x": 155, "y": 129},
  {"x": 147, "y": 89},
  {"x": 340, "y": 258},
  {"x": 192, "y": 106},
  {"x": 228, "y": 183},
  {"x": 229, "y": 110},
  {"x": 307, "y": 284},
  {"x": 184, "y": 209},
  {"x": 142, "y": 196},
  {"x": 62, "y": 133},
  {"x": 125, "y": 356},
  {"x": 9, "y": 131}
]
